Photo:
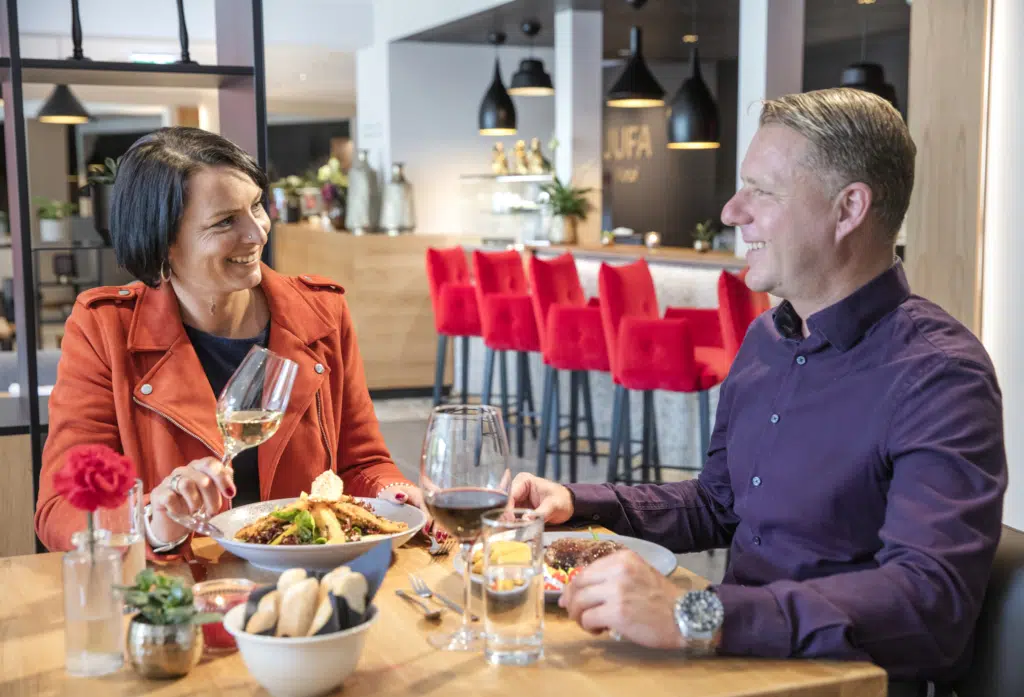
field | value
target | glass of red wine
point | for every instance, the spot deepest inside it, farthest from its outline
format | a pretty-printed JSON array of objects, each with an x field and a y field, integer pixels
[{"x": 464, "y": 473}]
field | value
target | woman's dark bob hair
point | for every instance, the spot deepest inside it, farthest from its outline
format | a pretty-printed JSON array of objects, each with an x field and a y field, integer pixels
[{"x": 151, "y": 189}]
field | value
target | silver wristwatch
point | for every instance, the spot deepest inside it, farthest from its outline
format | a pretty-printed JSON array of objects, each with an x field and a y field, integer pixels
[
  {"x": 699, "y": 615},
  {"x": 159, "y": 546}
]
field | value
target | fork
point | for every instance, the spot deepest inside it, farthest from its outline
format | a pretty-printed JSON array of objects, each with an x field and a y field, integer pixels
[
  {"x": 439, "y": 549},
  {"x": 420, "y": 588}
]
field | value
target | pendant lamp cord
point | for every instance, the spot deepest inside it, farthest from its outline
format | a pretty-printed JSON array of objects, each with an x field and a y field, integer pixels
[
  {"x": 864, "y": 35},
  {"x": 695, "y": 18}
]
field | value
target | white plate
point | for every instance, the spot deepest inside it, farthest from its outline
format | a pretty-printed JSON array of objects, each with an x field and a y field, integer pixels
[
  {"x": 654, "y": 554},
  {"x": 314, "y": 557}
]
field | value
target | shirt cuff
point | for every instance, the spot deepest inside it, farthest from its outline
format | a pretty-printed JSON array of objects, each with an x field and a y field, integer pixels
[
  {"x": 754, "y": 624},
  {"x": 596, "y": 503}
]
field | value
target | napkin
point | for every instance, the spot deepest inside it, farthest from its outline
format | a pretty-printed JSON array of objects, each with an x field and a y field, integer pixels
[{"x": 372, "y": 565}]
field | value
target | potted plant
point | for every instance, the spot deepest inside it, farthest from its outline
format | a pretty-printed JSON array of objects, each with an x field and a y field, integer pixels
[
  {"x": 333, "y": 188},
  {"x": 164, "y": 637},
  {"x": 53, "y": 219},
  {"x": 569, "y": 205},
  {"x": 703, "y": 234},
  {"x": 101, "y": 184}
]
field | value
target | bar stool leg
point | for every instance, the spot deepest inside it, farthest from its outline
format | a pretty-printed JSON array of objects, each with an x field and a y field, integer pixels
[
  {"x": 520, "y": 402},
  {"x": 528, "y": 384},
  {"x": 588, "y": 407},
  {"x": 442, "y": 353},
  {"x": 616, "y": 437},
  {"x": 655, "y": 453},
  {"x": 545, "y": 420},
  {"x": 574, "y": 422},
  {"x": 645, "y": 436},
  {"x": 627, "y": 436},
  {"x": 465, "y": 369},
  {"x": 485, "y": 393},
  {"x": 556, "y": 427},
  {"x": 503, "y": 372},
  {"x": 705, "y": 424}
]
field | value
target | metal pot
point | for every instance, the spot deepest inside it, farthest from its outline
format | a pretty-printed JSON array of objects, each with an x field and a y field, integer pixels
[
  {"x": 701, "y": 245},
  {"x": 164, "y": 651}
]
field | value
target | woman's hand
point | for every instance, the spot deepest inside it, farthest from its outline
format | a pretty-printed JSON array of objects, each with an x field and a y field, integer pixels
[
  {"x": 198, "y": 486},
  {"x": 413, "y": 495}
]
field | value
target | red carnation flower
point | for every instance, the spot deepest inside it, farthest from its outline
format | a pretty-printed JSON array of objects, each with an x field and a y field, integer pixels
[{"x": 94, "y": 476}]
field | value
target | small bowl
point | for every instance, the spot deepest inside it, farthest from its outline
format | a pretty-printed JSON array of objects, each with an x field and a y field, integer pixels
[{"x": 302, "y": 666}]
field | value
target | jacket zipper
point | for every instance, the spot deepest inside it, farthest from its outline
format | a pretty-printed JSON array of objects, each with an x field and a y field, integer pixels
[
  {"x": 156, "y": 411},
  {"x": 323, "y": 431}
]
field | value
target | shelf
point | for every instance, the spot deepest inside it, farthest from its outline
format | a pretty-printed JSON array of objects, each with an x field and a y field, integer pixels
[
  {"x": 72, "y": 72},
  {"x": 71, "y": 283},
  {"x": 523, "y": 178},
  {"x": 64, "y": 247}
]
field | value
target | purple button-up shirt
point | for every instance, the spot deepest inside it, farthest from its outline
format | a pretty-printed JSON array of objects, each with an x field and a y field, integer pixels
[{"x": 858, "y": 476}]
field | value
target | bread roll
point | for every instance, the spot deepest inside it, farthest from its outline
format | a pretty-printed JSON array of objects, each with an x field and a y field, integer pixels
[
  {"x": 352, "y": 587},
  {"x": 298, "y": 606},
  {"x": 265, "y": 616},
  {"x": 289, "y": 577}
]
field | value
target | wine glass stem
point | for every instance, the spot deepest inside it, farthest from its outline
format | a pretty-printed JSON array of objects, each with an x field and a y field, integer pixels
[{"x": 466, "y": 548}]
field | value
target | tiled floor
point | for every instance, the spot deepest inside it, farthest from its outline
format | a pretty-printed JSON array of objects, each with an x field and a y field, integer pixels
[{"x": 404, "y": 421}]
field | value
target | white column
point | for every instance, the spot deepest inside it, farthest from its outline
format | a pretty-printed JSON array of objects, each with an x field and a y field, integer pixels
[
  {"x": 1002, "y": 330},
  {"x": 373, "y": 103},
  {"x": 771, "y": 64},
  {"x": 579, "y": 107}
]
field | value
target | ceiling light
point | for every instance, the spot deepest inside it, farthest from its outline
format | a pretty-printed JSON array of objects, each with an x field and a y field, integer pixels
[
  {"x": 497, "y": 115},
  {"x": 636, "y": 87},
  {"x": 531, "y": 80},
  {"x": 63, "y": 108}
]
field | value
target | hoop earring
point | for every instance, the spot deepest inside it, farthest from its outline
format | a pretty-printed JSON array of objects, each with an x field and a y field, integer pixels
[{"x": 165, "y": 278}]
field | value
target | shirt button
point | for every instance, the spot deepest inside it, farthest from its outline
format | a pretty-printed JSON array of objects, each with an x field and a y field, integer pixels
[
  {"x": 775, "y": 418},
  {"x": 319, "y": 368},
  {"x": 146, "y": 389},
  {"x": 800, "y": 360},
  {"x": 596, "y": 517},
  {"x": 756, "y": 481},
  {"x": 757, "y": 540},
  {"x": 124, "y": 291}
]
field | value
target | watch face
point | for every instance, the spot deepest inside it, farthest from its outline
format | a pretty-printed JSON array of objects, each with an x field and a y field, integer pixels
[{"x": 702, "y": 611}]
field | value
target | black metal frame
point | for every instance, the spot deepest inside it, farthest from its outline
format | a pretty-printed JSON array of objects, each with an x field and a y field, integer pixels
[{"x": 240, "y": 77}]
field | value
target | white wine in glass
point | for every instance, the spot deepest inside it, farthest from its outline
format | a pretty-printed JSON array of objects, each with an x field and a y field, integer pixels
[{"x": 249, "y": 412}]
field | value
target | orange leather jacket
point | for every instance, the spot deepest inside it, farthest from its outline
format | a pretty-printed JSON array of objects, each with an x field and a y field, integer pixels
[{"x": 129, "y": 378}]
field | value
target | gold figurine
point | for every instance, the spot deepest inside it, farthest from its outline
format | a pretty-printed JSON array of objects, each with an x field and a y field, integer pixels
[
  {"x": 499, "y": 163},
  {"x": 520, "y": 153},
  {"x": 536, "y": 161}
]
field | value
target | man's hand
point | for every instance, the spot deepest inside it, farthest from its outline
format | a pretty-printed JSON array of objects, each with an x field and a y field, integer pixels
[
  {"x": 550, "y": 500},
  {"x": 624, "y": 594}
]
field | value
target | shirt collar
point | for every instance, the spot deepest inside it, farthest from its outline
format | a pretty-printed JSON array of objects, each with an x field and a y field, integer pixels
[{"x": 845, "y": 323}]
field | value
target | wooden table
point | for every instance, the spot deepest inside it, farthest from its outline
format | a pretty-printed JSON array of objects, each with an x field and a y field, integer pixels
[{"x": 397, "y": 659}]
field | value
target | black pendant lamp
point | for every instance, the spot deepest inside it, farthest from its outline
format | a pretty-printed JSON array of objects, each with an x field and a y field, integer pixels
[
  {"x": 693, "y": 115},
  {"x": 636, "y": 87},
  {"x": 531, "y": 80},
  {"x": 869, "y": 77},
  {"x": 497, "y": 115},
  {"x": 62, "y": 107}
]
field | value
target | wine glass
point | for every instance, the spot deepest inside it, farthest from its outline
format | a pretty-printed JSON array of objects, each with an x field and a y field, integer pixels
[
  {"x": 464, "y": 473},
  {"x": 249, "y": 411}
]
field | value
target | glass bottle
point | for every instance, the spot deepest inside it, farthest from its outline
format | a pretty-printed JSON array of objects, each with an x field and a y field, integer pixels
[{"x": 93, "y": 623}]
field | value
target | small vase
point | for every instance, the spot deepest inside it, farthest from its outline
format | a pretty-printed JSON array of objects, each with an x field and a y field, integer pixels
[
  {"x": 362, "y": 196},
  {"x": 163, "y": 650},
  {"x": 93, "y": 624},
  {"x": 701, "y": 245},
  {"x": 396, "y": 212}
]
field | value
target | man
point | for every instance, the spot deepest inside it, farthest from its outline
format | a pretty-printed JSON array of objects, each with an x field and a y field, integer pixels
[{"x": 856, "y": 468}]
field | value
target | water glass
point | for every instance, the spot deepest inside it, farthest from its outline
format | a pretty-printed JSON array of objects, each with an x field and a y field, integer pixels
[
  {"x": 127, "y": 532},
  {"x": 93, "y": 623},
  {"x": 513, "y": 588},
  {"x": 220, "y": 595}
]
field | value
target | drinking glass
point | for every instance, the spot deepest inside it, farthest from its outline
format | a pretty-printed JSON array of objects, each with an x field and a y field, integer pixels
[
  {"x": 127, "y": 532},
  {"x": 249, "y": 412},
  {"x": 464, "y": 473},
  {"x": 513, "y": 558}
]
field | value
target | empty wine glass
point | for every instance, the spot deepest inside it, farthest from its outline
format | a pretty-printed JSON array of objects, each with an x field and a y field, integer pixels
[
  {"x": 464, "y": 473},
  {"x": 249, "y": 411}
]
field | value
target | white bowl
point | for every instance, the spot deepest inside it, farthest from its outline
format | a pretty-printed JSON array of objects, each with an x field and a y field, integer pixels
[
  {"x": 299, "y": 667},
  {"x": 313, "y": 557}
]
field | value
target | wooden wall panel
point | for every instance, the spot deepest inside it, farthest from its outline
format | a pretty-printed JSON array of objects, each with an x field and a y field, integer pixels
[
  {"x": 946, "y": 114},
  {"x": 17, "y": 532}
]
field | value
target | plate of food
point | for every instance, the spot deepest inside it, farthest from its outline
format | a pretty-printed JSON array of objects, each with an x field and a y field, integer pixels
[
  {"x": 568, "y": 553},
  {"x": 318, "y": 531}
]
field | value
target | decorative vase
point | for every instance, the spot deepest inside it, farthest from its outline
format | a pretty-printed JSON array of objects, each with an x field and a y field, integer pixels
[
  {"x": 163, "y": 650},
  {"x": 702, "y": 245},
  {"x": 54, "y": 230},
  {"x": 396, "y": 211},
  {"x": 563, "y": 229},
  {"x": 101, "y": 210},
  {"x": 92, "y": 606},
  {"x": 362, "y": 196}
]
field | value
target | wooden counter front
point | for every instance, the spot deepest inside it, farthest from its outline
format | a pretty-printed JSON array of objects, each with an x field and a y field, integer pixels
[{"x": 385, "y": 280}]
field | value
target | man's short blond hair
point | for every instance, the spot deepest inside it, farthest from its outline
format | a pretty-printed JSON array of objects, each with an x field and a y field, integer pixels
[{"x": 856, "y": 136}]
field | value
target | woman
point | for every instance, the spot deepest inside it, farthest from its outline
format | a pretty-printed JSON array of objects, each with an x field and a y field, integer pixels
[{"x": 142, "y": 365}]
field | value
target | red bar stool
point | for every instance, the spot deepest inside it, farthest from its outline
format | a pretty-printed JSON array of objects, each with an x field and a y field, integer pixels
[
  {"x": 649, "y": 353},
  {"x": 455, "y": 310},
  {"x": 508, "y": 324},
  {"x": 572, "y": 339}
]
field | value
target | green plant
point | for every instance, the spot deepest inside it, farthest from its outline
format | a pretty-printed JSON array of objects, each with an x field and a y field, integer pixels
[
  {"x": 51, "y": 209},
  {"x": 109, "y": 172},
  {"x": 162, "y": 599},
  {"x": 331, "y": 172},
  {"x": 568, "y": 201},
  {"x": 704, "y": 232}
]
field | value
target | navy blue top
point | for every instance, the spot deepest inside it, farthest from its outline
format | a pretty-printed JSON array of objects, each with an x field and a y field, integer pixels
[{"x": 220, "y": 358}]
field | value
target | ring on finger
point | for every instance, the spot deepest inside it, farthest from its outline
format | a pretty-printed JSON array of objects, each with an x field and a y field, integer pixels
[
  {"x": 173, "y": 483},
  {"x": 615, "y": 635}
]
